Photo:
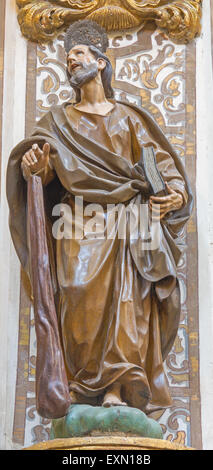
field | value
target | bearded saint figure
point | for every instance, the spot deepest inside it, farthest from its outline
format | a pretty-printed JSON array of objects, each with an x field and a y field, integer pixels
[{"x": 117, "y": 308}]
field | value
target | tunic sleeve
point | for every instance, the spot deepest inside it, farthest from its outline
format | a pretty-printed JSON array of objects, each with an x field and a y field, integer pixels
[{"x": 170, "y": 174}]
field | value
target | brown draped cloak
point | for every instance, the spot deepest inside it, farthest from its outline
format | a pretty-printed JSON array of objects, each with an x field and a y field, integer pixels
[{"x": 118, "y": 308}]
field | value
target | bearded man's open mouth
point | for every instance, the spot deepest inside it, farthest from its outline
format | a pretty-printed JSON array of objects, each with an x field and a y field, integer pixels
[{"x": 75, "y": 66}]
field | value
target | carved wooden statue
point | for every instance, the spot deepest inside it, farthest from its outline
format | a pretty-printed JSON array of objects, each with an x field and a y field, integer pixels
[{"x": 107, "y": 310}]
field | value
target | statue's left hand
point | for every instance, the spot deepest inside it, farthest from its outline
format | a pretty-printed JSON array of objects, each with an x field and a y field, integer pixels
[{"x": 173, "y": 201}]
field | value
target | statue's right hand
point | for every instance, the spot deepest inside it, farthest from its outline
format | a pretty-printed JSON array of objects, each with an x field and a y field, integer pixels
[{"x": 35, "y": 159}]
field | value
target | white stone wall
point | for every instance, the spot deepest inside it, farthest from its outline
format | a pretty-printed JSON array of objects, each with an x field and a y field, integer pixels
[
  {"x": 13, "y": 126},
  {"x": 204, "y": 92},
  {"x": 13, "y": 131}
]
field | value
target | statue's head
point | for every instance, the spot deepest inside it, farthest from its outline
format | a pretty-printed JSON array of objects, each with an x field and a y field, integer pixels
[{"x": 85, "y": 44}]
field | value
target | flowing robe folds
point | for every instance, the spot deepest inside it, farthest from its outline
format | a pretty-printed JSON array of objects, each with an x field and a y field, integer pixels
[{"x": 118, "y": 305}]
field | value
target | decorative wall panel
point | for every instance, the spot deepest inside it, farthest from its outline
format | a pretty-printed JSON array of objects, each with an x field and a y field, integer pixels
[{"x": 151, "y": 71}]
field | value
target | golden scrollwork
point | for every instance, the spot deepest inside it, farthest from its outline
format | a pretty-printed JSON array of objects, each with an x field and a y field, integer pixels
[{"x": 41, "y": 20}]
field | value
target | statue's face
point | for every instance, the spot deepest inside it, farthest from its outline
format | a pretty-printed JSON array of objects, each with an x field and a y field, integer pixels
[
  {"x": 82, "y": 65},
  {"x": 79, "y": 57}
]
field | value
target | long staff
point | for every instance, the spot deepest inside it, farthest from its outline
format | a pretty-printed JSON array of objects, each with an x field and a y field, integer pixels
[{"x": 52, "y": 393}]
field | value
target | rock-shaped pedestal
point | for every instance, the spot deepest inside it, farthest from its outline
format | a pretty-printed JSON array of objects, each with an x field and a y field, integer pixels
[{"x": 85, "y": 420}]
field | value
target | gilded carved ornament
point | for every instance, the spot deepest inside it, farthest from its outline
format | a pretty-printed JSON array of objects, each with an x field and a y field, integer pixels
[{"x": 41, "y": 20}]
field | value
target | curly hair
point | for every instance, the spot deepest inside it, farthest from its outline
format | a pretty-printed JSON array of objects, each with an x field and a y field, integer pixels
[{"x": 86, "y": 32}]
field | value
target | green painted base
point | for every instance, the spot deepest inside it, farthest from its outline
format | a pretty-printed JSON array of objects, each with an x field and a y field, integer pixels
[{"x": 83, "y": 420}]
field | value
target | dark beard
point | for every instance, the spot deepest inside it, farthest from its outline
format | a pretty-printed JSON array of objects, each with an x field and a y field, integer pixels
[{"x": 83, "y": 75}]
